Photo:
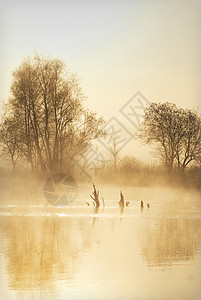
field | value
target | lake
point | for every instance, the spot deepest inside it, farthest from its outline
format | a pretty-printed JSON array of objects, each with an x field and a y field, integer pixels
[{"x": 81, "y": 252}]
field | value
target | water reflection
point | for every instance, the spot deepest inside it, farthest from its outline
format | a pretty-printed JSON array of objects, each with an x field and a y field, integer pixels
[
  {"x": 165, "y": 241},
  {"x": 87, "y": 252},
  {"x": 95, "y": 218},
  {"x": 121, "y": 210},
  {"x": 41, "y": 250}
]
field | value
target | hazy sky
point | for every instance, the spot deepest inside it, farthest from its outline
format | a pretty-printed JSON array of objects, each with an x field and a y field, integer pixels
[{"x": 117, "y": 47}]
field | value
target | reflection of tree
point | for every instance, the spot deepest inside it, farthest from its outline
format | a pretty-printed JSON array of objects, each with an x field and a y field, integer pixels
[
  {"x": 95, "y": 218},
  {"x": 42, "y": 250},
  {"x": 168, "y": 240},
  {"x": 121, "y": 210}
]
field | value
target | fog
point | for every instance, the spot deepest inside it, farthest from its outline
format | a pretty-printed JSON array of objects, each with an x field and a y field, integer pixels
[
  {"x": 83, "y": 251},
  {"x": 140, "y": 185},
  {"x": 100, "y": 142}
]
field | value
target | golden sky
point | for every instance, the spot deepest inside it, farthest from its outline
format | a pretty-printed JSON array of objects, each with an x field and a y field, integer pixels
[{"x": 116, "y": 47}]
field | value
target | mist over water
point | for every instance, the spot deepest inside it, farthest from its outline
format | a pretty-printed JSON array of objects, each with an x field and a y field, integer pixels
[
  {"x": 107, "y": 252},
  {"x": 100, "y": 142}
]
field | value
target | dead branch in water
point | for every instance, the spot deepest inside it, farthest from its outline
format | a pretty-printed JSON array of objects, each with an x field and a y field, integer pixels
[
  {"x": 95, "y": 196},
  {"x": 121, "y": 202}
]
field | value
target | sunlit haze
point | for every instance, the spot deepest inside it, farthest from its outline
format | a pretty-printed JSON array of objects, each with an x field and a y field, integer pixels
[
  {"x": 116, "y": 48},
  {"x": 100, "y": 195}
]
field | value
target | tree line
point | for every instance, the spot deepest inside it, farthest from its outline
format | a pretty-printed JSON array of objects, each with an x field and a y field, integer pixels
[{"x": 45, "y": 124}]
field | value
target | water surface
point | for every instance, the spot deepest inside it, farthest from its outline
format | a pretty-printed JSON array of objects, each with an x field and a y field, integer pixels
[{"x": 80, "y": 252}]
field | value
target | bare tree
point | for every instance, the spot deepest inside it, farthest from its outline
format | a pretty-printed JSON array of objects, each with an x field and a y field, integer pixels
[
  {"x": 8, "y": 140},
  {"x": 189, "y": 147},
  {"x": 174, "y": 131},
  {"x": 113, "y": 153},
  {"x": 52, "y": 124}
]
